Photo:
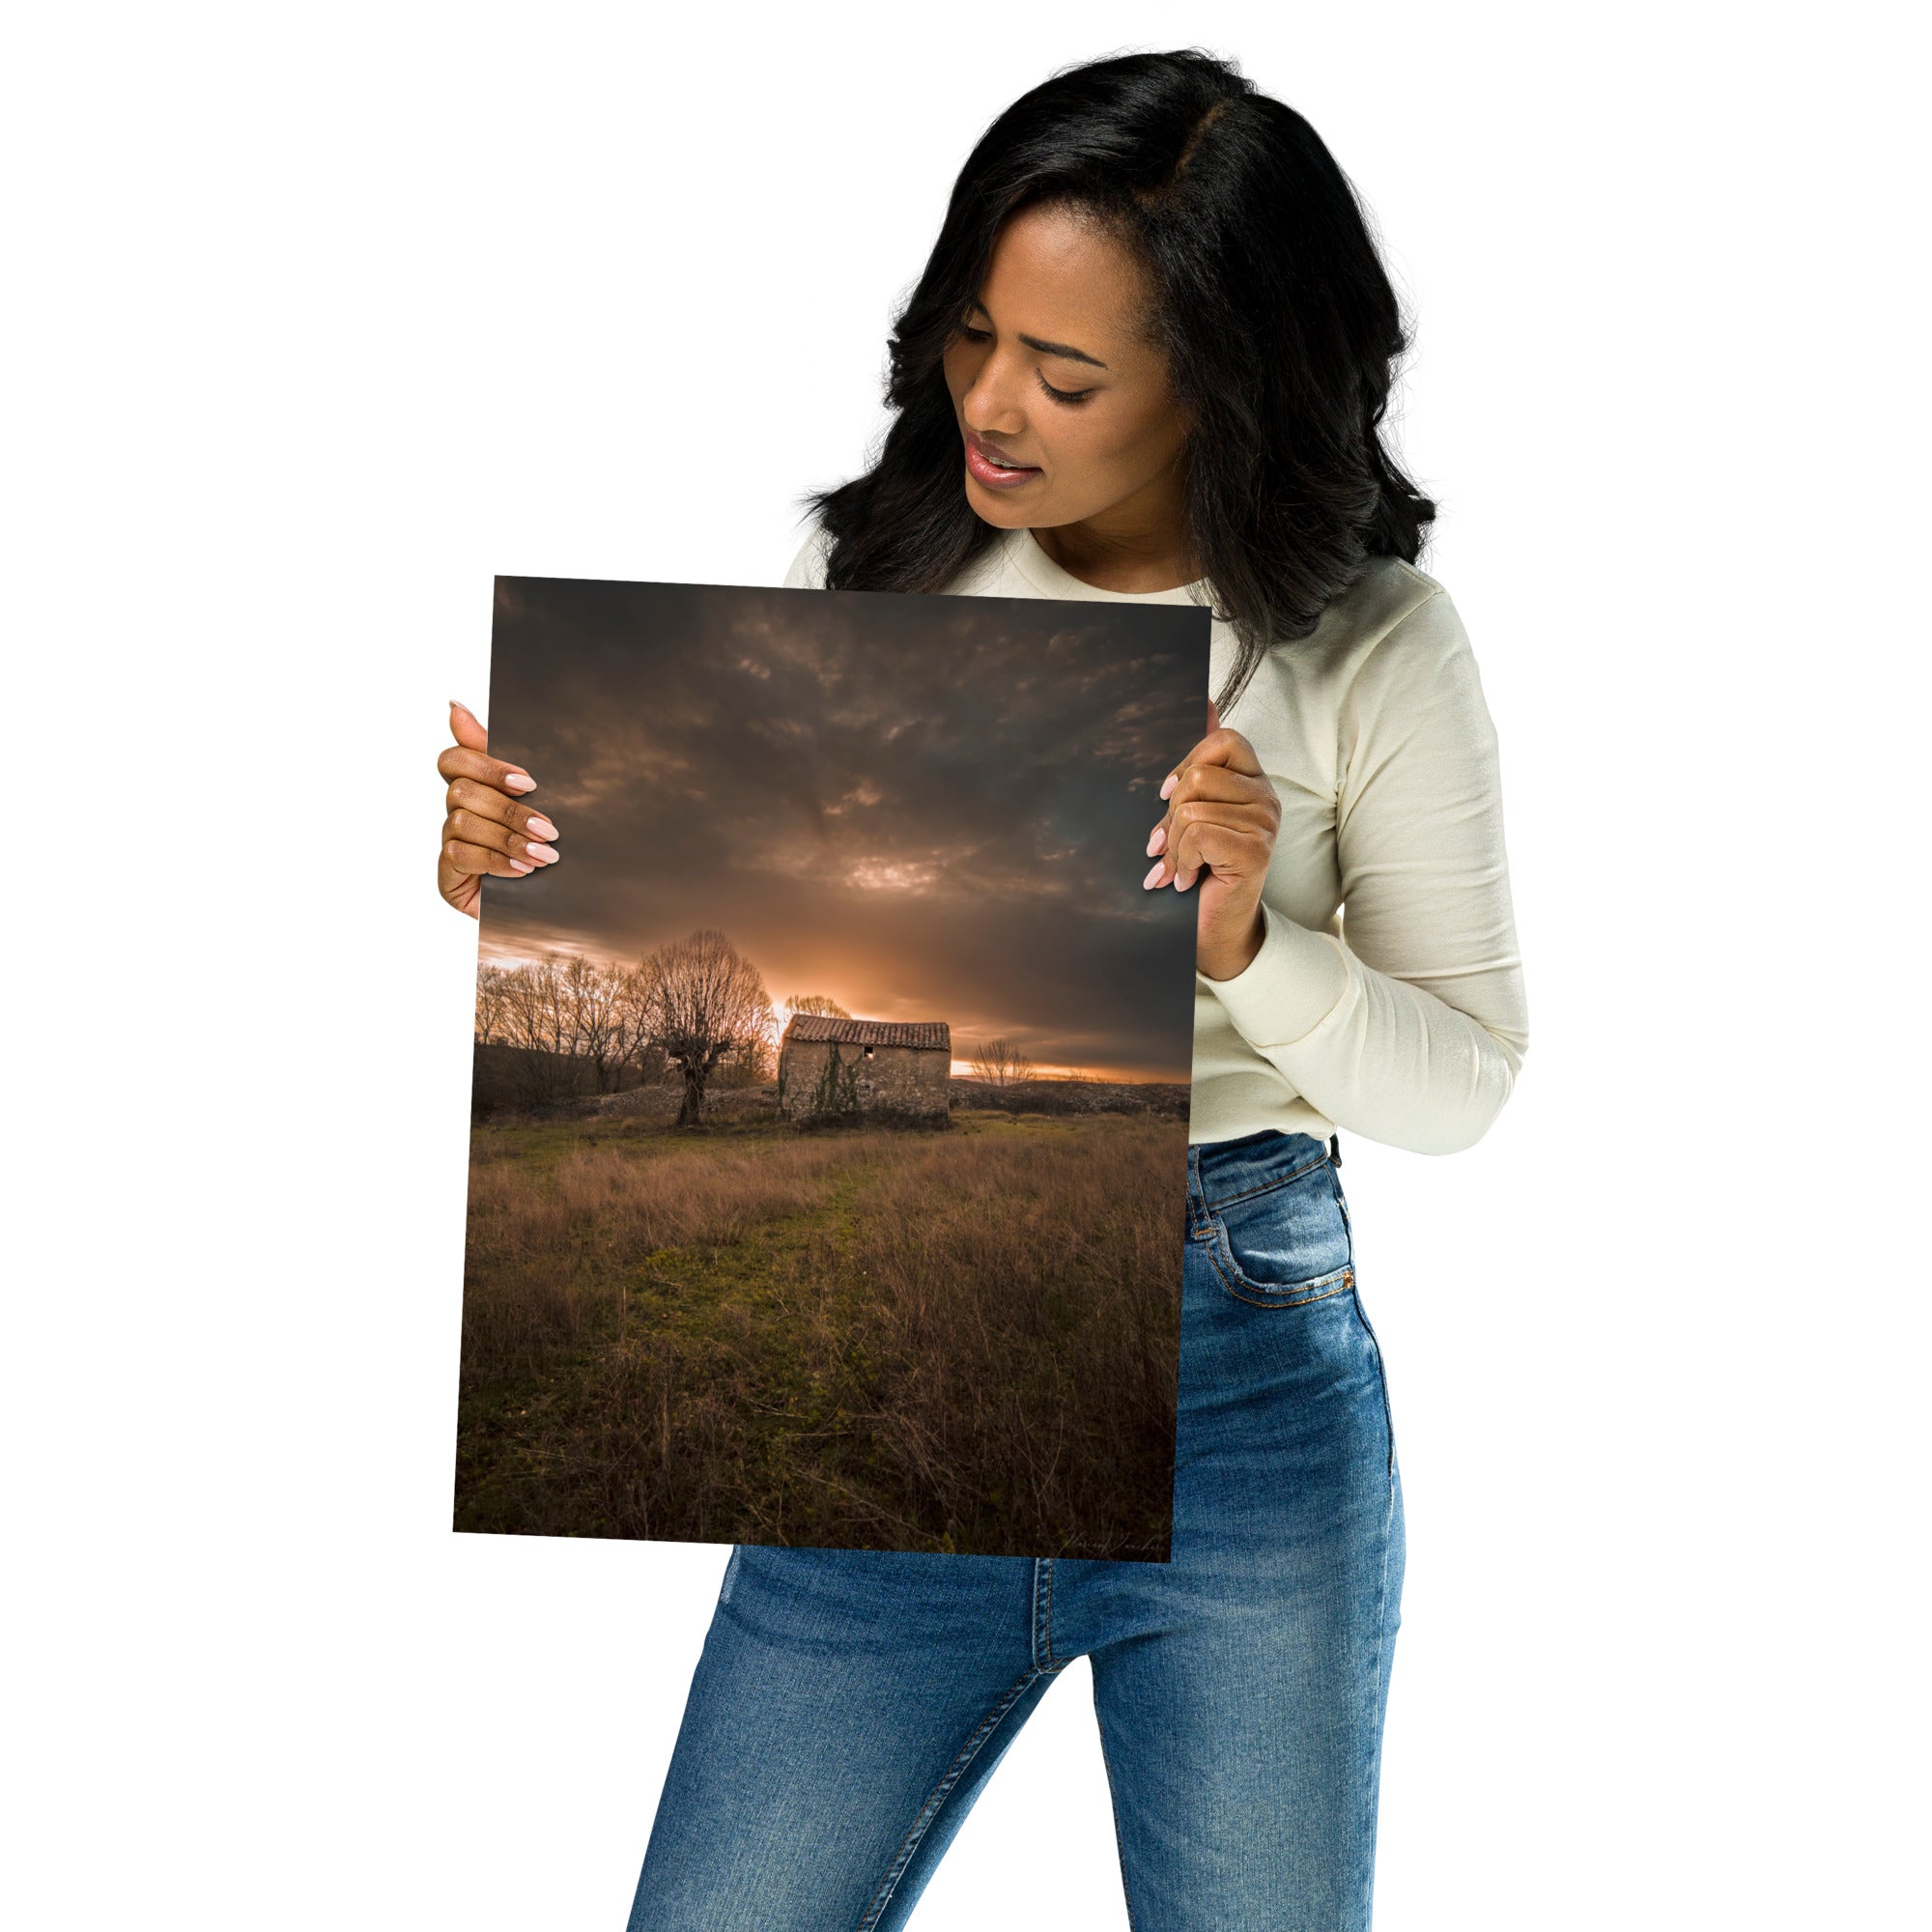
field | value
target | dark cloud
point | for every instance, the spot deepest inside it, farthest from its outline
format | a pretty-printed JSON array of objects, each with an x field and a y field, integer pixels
[{"x": 927, "y": 806}]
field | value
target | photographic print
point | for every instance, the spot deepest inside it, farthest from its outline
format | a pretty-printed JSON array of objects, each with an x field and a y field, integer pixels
[{"x": 829, "y": 1140}]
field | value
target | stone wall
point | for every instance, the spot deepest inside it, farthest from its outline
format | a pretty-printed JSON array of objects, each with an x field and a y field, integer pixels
[{"x": 830, "y": 1079}]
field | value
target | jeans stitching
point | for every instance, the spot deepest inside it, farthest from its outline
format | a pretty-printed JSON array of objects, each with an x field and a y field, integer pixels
[
  {"x": 1114, "y": 1795},
  {"x": 1381, "y": 1382},
  {"x": 1370, "y": 1780},
  {"x": 1372, "y": 1728},
  {"x": 1197, "y": 1211},
  {"x": 1042, "y": 1615},
  {"x": 968, "y": 1752},
  {"x": 1238, "y": 1285},
  {"x": 1281, "y": 1181}
]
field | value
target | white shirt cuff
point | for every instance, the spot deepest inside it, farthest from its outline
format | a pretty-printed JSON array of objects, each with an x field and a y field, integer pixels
[{"x": 1288, "y": 988}]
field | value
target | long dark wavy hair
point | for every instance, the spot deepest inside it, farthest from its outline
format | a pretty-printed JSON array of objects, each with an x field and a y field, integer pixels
[{"x": 1270, "y": 304}]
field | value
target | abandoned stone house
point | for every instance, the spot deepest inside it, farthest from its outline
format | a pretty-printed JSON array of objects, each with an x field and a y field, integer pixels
[{"x": 855, "y": 1069}]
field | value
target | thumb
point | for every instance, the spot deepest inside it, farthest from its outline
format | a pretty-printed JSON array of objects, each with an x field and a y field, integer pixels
[
  {"x": 467, "y": 729},
  {"x": 1213, "y": 715}
]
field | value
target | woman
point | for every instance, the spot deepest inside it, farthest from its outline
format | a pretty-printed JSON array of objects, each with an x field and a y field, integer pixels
[{"x": 1149, "y": 358}]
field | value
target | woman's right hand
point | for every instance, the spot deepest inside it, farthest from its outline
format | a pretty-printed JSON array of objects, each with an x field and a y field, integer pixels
[{"x": 487, "y": 830}]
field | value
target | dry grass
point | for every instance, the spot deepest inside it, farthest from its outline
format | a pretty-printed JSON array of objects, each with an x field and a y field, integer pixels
[
  {"x": 963, "y": 1340},
  {"x": 551, "y": 1240}
]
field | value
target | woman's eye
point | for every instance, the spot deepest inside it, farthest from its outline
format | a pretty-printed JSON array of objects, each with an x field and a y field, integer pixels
[
  {"x": 1063, "y": 395},
  {"x": 975, "y": 334}
]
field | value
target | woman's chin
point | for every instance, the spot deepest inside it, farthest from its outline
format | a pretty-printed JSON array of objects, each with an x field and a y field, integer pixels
[{"x": 998, "y": 507}]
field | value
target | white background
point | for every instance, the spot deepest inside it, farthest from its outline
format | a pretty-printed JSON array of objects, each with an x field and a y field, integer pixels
[{"x": 318, "y": 317}]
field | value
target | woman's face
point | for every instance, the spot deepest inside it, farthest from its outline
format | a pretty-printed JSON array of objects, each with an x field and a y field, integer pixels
[{"x": 1051, "y": 376}]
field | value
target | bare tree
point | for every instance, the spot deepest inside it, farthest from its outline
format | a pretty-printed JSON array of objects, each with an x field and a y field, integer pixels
[
  {"x": 570, "y": 1024},
  {"x": 528, "y": 1026},
  {"x": 492, "y": 996},
  {"x": 593, "y": 1002},
  {"x": 535, "y": 1008},
  {"x": 817, "y": 1003},
  {"x": 640, "y": 1050},
  {"x": 700, "y": 997},
  {"x": 752, "y": 1061},
  {"x": 1001, "y": 1062}
]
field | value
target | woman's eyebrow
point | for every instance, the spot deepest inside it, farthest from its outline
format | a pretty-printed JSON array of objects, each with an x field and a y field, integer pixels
[
  {"x": 1061, "y": 349},
  {"x": 1067, "y": 350}
]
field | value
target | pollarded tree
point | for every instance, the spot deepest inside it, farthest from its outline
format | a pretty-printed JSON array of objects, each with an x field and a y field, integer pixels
[{"x": 698, "y": 997}]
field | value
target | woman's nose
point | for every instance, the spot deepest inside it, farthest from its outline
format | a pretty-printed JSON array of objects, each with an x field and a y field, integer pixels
[{"x": 991, "y": 406}]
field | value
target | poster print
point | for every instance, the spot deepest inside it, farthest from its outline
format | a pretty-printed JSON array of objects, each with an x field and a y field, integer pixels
[{"x": 828, "y": 1171}]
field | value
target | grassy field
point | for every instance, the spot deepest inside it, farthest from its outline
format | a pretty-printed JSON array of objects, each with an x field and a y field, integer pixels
[{"x": 964, "y": 1340}]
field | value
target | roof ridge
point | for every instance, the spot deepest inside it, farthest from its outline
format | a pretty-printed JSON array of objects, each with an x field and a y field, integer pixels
[{"x": 849, "y": 1032}]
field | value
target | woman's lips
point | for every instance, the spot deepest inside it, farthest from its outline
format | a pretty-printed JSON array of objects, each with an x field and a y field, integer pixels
[{"x": 986, "y": 465}]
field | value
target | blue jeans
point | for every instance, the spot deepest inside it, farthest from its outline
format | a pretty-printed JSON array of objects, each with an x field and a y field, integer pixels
[{"x": 849, "y": 1705}]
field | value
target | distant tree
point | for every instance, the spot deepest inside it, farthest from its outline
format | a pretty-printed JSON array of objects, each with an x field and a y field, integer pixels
[
  {"x": 594, "y": 1003},
  {"x": 639, "y": 1049},
  {"x": 752, "y": 1062},
  {"x": 754, "y": 1059},
  {"x": 570, "y": 1024},
  {"x": 492, "y": 1003},
  {"x": 698, "y": 997},
  {"x": 551, "y": 1033},
  {"x": 534, "y": 1019},
  {"x": 817, "y": 1003},
  {"x": 1001, "y": 1062}
]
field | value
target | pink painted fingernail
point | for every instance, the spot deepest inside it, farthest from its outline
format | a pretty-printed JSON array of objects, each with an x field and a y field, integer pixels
[
  {"x": 1160, "y": 866},
  {"x": 541, "y": 828},
  {"x": 546, "y": 853},
  {"x": 519, "y": 782},
  {"x": 518, "y": 866},
  {"x": 1158, "y": 839},
  {"x": 1173, "y": 780}
]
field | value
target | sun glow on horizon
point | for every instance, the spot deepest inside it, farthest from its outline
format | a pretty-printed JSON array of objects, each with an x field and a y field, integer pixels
[{"x": 968, "y": 1039}]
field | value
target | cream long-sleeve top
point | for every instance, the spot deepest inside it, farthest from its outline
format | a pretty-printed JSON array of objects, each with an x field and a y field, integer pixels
[{"x": 1387, "y": 997}]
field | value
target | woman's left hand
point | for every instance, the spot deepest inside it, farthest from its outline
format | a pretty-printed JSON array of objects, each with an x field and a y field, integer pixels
[{"x": 1222, "y": 817}]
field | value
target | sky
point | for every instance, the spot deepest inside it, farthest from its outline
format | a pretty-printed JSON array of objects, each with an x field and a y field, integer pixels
[{"x": 929, "y": 808}]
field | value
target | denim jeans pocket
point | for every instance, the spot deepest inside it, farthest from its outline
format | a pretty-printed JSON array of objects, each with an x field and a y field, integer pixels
[{"x": 1285, "y": 1242}]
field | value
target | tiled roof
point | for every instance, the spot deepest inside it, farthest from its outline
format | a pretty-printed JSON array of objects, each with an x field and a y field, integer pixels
[{"x": 870, "y": 1033}]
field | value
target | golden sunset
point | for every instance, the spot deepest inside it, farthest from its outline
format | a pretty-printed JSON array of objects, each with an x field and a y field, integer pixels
[{"x": 919, "y": 809}]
